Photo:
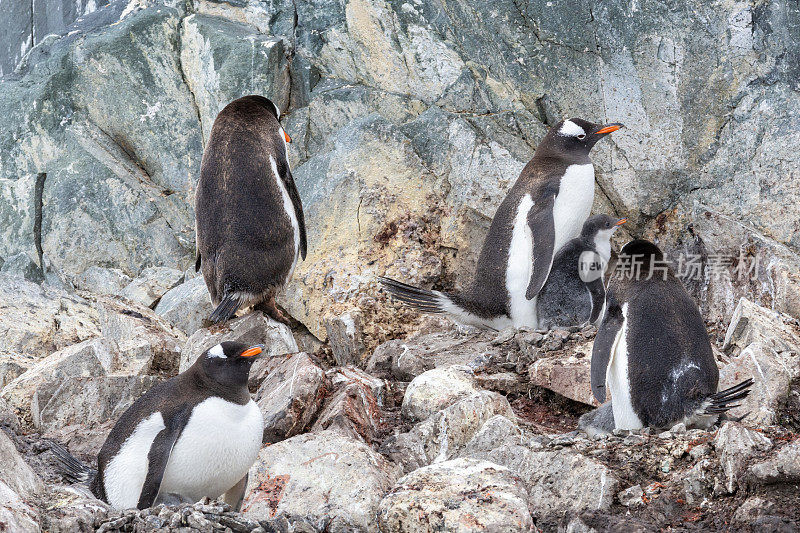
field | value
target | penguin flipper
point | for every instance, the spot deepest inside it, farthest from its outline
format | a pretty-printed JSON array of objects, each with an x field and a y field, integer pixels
[
  {"x": 542, "y": 226},
  {"x": 226, "y": 309},
  {"x": 197, "y": 263},
  {"x": 598, "y": 294},
  {"x": 603, "y": 345},
  {"x": 157, "y": 459},
  {"x": 288, "y": 181}
]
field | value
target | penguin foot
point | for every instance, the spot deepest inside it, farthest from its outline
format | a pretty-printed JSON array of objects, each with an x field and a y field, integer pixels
[{"x": 271, "y": 309}]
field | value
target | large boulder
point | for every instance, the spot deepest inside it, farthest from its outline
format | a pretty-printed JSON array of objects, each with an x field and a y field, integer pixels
[
  {"x": 436, "y": 389},
  {"x": 186, "y": 306},
  {"x": 151, "y": 284},
  {"x": 460, "y": 495},
  {"x": 16, "y": 474},
  {"x": 89, "y": 358},
  {"x": 332, "y": 482},
  {"x": 291, "y": 395},
  {"x": 736, "y": 447},
  {"x": 444, "y": 434},
  {"x": 405, "y": 359},
  {"x": 143, "y": 342}
]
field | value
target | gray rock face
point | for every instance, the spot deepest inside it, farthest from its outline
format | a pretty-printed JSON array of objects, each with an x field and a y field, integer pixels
[
  {"x": 15, "y": 513},
  {"x": 332, "y": 482},
  {"x": 460, "y": 95},
  {"x": 562, "y": 482},
  {"x": 354, "y": 410},
  {"x": 457, "y": 495},
  {"x": 253, "y": 328},
  {"x": 99, "y": 280}
]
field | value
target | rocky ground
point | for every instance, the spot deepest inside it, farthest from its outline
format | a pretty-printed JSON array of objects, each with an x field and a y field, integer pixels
[{"x": 444, "y": 430}]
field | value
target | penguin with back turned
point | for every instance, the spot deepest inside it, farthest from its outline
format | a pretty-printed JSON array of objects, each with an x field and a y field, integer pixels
[
  {"x": 193, "y": 436},
  {"x": 249, "y": 217},
  {"x": 544, "y": 209},
  {"x": 574, "y": 293},
  {"x": 652, "y": 352}
]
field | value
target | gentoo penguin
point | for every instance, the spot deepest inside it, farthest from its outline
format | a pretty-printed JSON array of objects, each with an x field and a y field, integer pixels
[
  {"x": 544, "y": 209},
  {"x": 250, "y": 225},
  {"x": 574, "y": 292},
  {"x": 193, "y": 436},
  {"x": 652, "y": 351}
]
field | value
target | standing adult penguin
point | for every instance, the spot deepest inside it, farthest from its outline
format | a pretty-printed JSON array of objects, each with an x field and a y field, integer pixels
[
  {"x": 250, "y": 224},
  {"x": 653, "y": 353},
  {"x": 574, "y": 292},
  {"x": 544, "y": 209},
  {"x": 193, "y": 436}
]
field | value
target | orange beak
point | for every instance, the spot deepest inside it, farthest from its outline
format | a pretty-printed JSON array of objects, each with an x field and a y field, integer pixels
[
  {"x": 621, "y": 221},
  {"x": 250, "y": 352},
  {"x": 608, "y": 129},
  {"x": 286, "y": 136}
]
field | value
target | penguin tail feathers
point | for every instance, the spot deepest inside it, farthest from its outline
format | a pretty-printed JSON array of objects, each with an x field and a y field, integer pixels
[
  {"x": 723, "y": 400},
  {"x": 421, "y": 299},
  {"x": 71, "y": 468},
  {"x": 226, "y": 309}
]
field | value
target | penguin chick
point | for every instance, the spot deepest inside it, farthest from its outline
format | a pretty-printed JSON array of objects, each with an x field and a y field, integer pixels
[
  {"x": 193, "y": 436},
  {"x": 544, "y": 209},
  {"x": 652, "y": 350},
  {"x": 249, "y": 217},
  {"x": 574, "y": 292}
]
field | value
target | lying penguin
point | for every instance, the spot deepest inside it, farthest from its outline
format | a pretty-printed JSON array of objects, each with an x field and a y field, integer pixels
[
  {"x": 193, "y": 436},
  {"x": 574, "y": 292},
  {"x": 652, "y": 352},
  {"x": 545, "y": 208}
]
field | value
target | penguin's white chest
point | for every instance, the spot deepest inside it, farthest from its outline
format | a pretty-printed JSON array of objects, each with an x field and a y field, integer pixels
[
  {"x": 519, "y": 267},
  {"x": 573, "y": 203},
  {"x": 618, "y": 381},
  {"x": 217, "y": 447},
  {"x": 288, "y": 206}
]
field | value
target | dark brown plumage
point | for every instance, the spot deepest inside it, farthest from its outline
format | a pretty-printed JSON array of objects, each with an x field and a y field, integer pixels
[{"x": 247, "y": 241}]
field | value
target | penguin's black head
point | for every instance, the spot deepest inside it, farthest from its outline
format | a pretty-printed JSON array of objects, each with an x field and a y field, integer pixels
[
  {"x": 603, "y": 225},
  {"x": 642, "y": 247},
  {"x": 229, "y": 363},
  {"x": 643, "y": 257},
  {"x": 575, "y": 136},
  {"x": 270, "y": 106}
]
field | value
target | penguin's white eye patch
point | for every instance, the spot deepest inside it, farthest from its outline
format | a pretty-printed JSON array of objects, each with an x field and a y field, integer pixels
[
  {"x": 570, "y": 129},
  {"x": 277, "y": 111},
  {"x": 217, "y": 351}
]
